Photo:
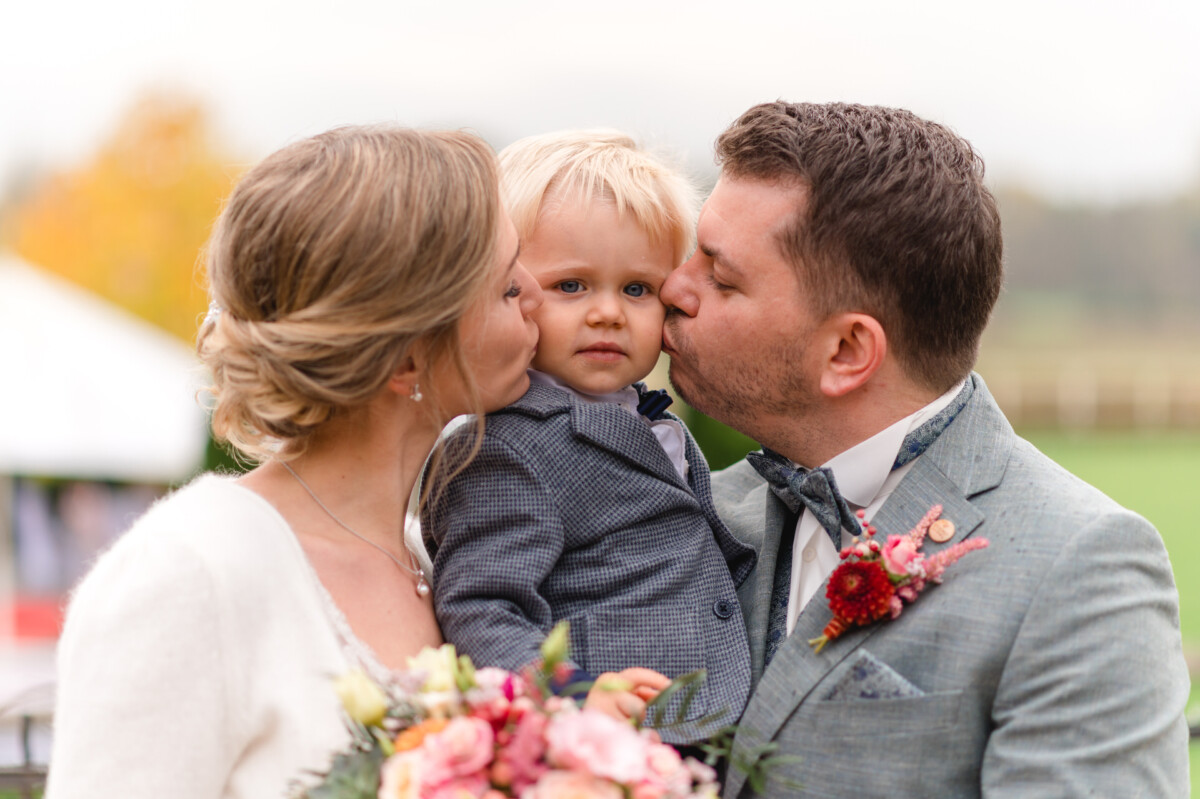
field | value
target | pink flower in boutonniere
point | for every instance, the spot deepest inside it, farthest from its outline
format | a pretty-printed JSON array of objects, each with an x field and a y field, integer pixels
[
  {"x": 874, "y": 581},
  {"x": 900, "y": 555}
]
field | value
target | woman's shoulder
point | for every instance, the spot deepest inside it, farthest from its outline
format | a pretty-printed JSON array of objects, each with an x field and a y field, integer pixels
[
  {"x": 208, "y": 532},
  {"x": 211, "y": 514}
]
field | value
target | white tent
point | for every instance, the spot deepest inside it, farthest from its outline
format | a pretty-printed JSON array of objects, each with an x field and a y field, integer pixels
[{"x": 89, "y": 391}]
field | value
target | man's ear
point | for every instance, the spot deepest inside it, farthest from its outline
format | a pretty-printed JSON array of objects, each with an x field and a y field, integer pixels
[{"x": 858, "y": 347}]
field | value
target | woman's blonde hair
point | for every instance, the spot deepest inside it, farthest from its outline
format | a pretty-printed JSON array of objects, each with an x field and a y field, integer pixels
[
  {"x": 332, "y": 258},
  {"x": 584, "y": 165}
]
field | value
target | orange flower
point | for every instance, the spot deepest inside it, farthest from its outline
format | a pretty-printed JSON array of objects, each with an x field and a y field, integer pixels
[{"x": 415, "y": 736}]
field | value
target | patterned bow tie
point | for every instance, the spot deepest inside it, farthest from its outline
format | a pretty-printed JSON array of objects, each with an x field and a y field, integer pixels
[
  {"x": 815, "y": 489},
  {"x": 653, "y": 404}
]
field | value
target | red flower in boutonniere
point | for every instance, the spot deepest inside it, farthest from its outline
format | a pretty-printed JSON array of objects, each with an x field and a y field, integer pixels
[{"x": 876, "y": 580}]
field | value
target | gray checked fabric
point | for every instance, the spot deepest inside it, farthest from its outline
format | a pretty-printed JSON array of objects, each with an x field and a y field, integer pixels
[
  {"x": 572, "y": 510},
  {"x": 817, "y": 490}
]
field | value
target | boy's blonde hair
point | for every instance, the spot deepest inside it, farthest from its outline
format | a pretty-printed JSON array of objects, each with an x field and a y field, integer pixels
[{"x": 584, "y": 165}]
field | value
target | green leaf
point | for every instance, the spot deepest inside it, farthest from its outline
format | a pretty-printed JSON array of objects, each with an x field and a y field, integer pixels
[{"x": 354, "y": 774}]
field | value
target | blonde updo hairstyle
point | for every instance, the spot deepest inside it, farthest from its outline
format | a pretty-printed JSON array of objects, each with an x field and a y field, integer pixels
[{"x": 332, "y": 259}]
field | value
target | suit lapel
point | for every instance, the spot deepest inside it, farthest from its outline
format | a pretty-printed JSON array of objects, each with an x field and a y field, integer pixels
[
  {"x": 754, "y": 595},
  {"x": 740, "y": 557},
  {"x": 610, "y": 427},
  {"x": 975, "y": 449}
]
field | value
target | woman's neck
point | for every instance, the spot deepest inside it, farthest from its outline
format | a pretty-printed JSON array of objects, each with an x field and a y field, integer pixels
[{"x": 361, "y": 468}]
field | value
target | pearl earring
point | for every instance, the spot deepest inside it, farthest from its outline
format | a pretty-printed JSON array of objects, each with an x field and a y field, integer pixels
[{"x": 416, "y": 395}]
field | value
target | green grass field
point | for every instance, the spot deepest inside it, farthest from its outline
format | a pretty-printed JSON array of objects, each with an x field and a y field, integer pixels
[{"x": 1159, "y": 477}]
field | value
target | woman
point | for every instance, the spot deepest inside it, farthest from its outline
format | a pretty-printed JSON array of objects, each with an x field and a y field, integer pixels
[{"x": 366, "y": 290}]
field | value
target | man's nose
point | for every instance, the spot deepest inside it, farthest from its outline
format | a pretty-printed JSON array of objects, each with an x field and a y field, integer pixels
[{"x": 678, "y": 291}]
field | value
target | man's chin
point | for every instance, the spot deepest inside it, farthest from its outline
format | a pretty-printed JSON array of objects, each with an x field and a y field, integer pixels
[{"x": 681, "y": 386}]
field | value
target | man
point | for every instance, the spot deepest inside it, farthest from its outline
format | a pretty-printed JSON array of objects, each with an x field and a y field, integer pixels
[{"x": 848, "y": 260}]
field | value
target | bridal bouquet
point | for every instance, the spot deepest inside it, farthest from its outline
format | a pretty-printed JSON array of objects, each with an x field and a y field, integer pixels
[{"x": 445, "y": 730}]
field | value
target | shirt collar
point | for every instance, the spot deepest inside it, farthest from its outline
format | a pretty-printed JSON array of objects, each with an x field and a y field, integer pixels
[
  {"x": 626, "y": 397},
  {"x": 861, "y": 470}
]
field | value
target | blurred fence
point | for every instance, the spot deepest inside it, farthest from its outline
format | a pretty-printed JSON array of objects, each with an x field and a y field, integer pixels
[{"x": 1083, "y": 396}]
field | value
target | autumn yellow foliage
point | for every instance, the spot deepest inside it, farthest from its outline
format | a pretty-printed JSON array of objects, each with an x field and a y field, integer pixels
[{"x": 130, "y": 223}]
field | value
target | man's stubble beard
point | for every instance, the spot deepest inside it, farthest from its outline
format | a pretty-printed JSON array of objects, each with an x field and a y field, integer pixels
[{"x": 746, "y": 394}]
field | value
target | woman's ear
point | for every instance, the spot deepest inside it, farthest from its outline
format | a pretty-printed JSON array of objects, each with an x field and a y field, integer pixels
[
  {"x": 858, "y": 347},
  {"x": 405, "y": 379}
]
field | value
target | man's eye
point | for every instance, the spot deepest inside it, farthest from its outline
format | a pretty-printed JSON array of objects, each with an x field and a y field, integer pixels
[
  {"x": 637, "y": 289},
  {"x": 570, "y": 287},
  {"x": 712, "y": 280}
]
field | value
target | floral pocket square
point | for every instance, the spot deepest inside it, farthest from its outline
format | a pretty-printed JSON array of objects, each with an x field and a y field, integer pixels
[{"x": 870, "y": 678}]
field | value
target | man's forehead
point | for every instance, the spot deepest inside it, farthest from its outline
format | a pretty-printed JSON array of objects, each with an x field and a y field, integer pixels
[
  {"x": 745, "y": 209},
  {"x": 768, "y": 201}
]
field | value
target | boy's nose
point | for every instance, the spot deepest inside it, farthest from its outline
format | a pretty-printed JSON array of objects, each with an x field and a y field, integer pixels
[{"x": 605, "y": 309}]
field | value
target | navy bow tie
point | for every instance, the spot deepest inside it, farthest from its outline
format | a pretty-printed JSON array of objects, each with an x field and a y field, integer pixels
[
  {"x": 653, "y": 404},
  {"x": 815, "y": 489}
]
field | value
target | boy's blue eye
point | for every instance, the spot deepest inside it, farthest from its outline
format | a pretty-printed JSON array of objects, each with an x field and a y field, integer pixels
[
  {"x": 637, "y": 290},
  {"x": 514, "y": 290},
  {"x": 569, "y": 286}
]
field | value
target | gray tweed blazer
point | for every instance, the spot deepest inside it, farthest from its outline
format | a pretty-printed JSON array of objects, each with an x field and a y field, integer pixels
[
  {"x": 1048, "y": 664},
  {"x": 572, "y": 510}
]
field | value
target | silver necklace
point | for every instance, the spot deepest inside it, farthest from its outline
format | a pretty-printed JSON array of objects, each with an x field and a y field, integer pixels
[{"x": 412, "y": 567}]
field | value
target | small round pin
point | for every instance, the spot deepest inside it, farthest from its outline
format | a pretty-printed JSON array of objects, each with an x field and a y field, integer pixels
[{"x": 941, "y": 531}]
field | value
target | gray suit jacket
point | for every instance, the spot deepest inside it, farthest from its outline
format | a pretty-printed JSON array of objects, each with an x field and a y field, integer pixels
[
  {"x": 572, "y": 510},
  {"x": 1048, "y": 664}
]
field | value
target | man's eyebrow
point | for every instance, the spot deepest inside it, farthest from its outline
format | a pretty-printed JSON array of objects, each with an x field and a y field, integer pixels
[{"x": 720, "y": 257}]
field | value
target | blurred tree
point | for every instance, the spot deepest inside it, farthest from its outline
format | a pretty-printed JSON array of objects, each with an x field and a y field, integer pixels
[{"x": 129, "y": 224}]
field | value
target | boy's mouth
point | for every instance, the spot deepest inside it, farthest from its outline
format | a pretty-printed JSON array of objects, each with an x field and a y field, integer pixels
[{"x": 602, "y": 349}]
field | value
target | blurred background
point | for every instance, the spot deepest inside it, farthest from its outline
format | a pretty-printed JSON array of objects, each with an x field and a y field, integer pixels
[{"x": 124, "y": 124}]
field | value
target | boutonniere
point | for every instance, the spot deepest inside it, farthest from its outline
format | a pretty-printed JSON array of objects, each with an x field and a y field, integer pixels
[{"x": 876, "y": 580}]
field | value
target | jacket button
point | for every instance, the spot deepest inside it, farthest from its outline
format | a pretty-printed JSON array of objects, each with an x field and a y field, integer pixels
[{"x": 723, "y": 608}]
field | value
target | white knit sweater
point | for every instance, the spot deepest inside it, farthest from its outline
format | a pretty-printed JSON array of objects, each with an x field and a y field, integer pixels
[{"x": 197, "y": 658}]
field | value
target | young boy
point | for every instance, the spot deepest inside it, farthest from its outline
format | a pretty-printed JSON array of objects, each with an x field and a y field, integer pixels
[{"x": 579, "y": 507}]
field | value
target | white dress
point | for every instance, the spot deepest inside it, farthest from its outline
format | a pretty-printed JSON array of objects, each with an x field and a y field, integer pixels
[{"x": 197, "y": 658}]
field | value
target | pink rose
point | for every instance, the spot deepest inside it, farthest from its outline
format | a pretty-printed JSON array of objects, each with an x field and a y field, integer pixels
[
  {"x": 666, "y": 774},
  {"x": 592, "y": 741},
  {"x": 492, "y": 695},
  {"x": 898, "y": 555},
  {"x": 402, "y": 775},
  {"x": 663, "y": 760},
  {"x": 459, "y": 788},
  {"x": 521, "y": 761},
  {"x": 463, "y": 749},
  {"x": 700, "y": 772},
  {"x": 572, "y": 785}
]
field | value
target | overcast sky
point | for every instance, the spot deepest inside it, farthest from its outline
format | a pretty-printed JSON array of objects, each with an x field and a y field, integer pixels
[{"x": 1080, "y": 99}]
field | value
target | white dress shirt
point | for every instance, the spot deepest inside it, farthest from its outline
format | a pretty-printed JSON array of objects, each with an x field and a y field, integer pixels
[
  {"x": 865, "y": 478},
  {"x": 668, "y": 431}
]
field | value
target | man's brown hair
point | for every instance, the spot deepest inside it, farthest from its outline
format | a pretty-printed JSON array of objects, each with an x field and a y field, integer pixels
[{"x": 896, "y": 223}]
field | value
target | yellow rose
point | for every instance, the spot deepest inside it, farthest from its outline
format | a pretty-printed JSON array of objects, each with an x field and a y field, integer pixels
[
  {"x": 438, "y": 666},
  {"x": 363, "y": 700}
]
